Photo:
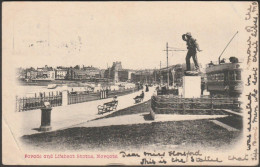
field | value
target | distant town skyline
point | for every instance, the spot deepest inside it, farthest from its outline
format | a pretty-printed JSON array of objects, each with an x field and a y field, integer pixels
[
  {"x": 91, "y": 66},
  {"x": 135, "y": 33}
]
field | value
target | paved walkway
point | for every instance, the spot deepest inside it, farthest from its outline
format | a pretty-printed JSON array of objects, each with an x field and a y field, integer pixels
[{"x": 25, "y": 123}]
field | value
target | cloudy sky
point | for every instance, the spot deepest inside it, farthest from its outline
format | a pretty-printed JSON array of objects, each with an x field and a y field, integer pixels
[{"x": 135, "y": 33}]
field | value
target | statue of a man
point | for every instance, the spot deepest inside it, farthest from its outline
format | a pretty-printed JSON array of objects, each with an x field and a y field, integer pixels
[{"x": 192, "y": 47}]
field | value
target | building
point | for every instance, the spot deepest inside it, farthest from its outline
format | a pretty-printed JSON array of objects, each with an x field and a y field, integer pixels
[
  {"x": 143, "y": 76},
  {"x": 31, "y": 74},
  {"x": 102, "y": 73},
  {"x": 92, "y": 72},
  {"x": 43, "y": 72},
  {"x": 123, "y": 75},
  {"x": 176, "y": 73},
  {"x": 112, "y": 73},
  {"x": 51, "y": 74},
  {"x": 61, "y": 73},
  {"x": 107, "y": 73},
  {"x": 77, "y": 74},
  {"x": 21, "y": 74},
  {"x": 117, "y": 73}
]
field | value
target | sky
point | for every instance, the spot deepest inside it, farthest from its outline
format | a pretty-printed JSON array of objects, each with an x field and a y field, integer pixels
[{"x": 135, "y": 33}]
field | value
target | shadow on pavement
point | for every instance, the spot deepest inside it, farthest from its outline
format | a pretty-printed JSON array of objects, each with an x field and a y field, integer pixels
[
  {"x": 37, "y": 129},
  {"x": 148, "y": 117}
]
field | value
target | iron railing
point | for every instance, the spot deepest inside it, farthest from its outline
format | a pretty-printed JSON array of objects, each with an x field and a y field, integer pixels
[
  {"x": 164, "y": 104},
  {"x": 90, "y": 96},
  {"x": 82, "y": 97},
  {"x": 31, "y": 103}
]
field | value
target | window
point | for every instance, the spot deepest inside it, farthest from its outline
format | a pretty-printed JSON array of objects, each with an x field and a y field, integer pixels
[
  {"x": 238, "y": 75},
  {"x": 221, "y": 76},
  {"x": 231, "y": 75},
  {"x": 225, "y": 76},
  {"x": 214, "y": 77}
]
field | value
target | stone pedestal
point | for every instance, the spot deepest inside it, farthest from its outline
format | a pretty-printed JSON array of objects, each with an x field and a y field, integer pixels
[
  {"x": 191, "y": 86},
  {"x": 46, "y": 119},
  {"x": 65, "y": 98}
]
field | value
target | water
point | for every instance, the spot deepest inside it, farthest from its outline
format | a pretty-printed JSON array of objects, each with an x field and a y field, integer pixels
[{"x": 30, "y": 91}]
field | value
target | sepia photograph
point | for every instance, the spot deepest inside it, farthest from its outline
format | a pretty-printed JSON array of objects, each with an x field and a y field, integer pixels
[{"x": 130, "y": 83}]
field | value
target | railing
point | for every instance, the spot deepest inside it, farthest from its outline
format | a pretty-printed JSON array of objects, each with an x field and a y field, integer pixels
[
  {"x": 82, "y": 97},
  {"x": 121, "y": 92},
  {"x": 161, "y": 104},
  {"x": 90, "y": 96},
  {"x": 167, "y": 92},
  {"x": 25, "y": 104}
]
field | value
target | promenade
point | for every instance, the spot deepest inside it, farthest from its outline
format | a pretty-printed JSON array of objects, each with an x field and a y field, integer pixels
[{"x": 28, "y": 122}]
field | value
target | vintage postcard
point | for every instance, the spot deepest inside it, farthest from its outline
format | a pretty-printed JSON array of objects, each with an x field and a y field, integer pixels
[{"x": 130, "y": 83}]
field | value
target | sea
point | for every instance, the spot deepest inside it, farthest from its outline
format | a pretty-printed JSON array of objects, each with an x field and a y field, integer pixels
[
  {"x": 35, "y": 91},
  {"x": 32, "y": 91}
]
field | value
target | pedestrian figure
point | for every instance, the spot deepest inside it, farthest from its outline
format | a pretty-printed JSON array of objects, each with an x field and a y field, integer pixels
[
  {"x": 139, "y": 98},
  {"x": 142, "y": 94},
  {"x": 223, "y": 60},
  {"x": 106, "y": 92},
  {"x": 115, "y": 98},
  {"x": 202, "y": 87},
  {"x": 147, "y": 89},
  {"x": 192, "y": 47},
  {"x": 211, "y": 63}
]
